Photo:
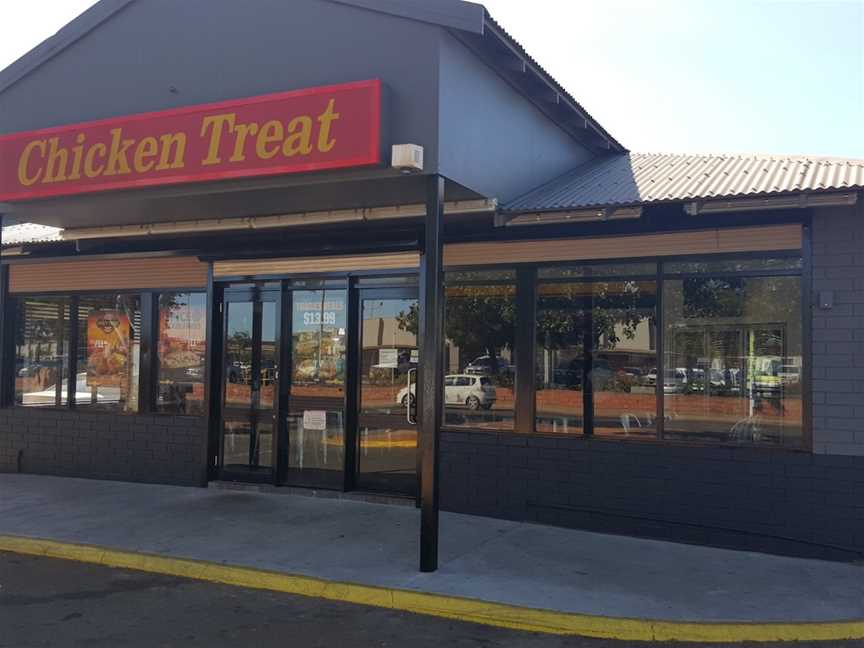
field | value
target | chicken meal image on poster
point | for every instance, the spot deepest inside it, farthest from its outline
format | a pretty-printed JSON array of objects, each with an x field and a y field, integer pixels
[{"x": 107, "y": 348}]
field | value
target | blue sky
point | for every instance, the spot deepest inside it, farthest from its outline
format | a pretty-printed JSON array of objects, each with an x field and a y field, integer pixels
[{"x": 687, "y": 76}]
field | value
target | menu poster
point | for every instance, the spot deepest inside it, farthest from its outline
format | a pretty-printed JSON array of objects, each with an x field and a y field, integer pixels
[
  {"x": 108, "y": 339},
  {"x": 182, "y": 335}
]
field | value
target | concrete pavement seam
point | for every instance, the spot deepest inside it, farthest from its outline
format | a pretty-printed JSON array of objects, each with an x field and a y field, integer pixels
[{"x": 440, "y": 605}]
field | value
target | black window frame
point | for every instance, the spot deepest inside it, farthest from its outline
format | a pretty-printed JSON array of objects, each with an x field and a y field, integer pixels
[
  {"x": 149, "y": 388},
  {"x": 527, "y": 280},
  {"x": 148, "y": 359}
]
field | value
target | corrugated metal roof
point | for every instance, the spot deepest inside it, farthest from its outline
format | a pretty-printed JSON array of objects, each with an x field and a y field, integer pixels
[
  {"x": 30, "y": 233},
  {"x": 644, "y": 178}
]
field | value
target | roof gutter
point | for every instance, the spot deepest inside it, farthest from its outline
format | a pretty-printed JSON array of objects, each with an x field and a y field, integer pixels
[
  {"x": 794, "y": 201},
  {"x": 370, "y": 214}
]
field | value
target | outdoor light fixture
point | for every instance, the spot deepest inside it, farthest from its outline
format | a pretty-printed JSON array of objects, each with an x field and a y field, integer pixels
[
  {"x": 407, "y": 158},
  {"x": 795, "y": 201},
  {"x": 580, "y": 216}
]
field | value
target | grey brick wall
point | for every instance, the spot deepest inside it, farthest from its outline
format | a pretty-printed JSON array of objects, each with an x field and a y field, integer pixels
[
  {"x": 160, "y": 449},
  {"x": 746, "y": 498},
  {"x": 838, "y": 333}
]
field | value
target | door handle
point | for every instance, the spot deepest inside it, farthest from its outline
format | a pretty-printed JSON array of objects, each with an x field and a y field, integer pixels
[{"x": 412, "y": 402}]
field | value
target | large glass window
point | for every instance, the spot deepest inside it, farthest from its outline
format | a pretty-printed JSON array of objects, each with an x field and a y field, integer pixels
[
  {"x": 182, "y": 350},
  {"x": 109, "y": 339},
  {"x": 733, "y": 359},
  {"x": 730, "y": 329},
  {"x": 596, "y": 350},
  {"x": 100, "y": 335},
  {"x": 42, "y": 352},
  {"x": 480, "y": 325}
]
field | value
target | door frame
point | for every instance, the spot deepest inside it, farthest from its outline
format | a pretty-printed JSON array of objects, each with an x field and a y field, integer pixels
[
  {"x": 356, "y": 384},
  {"x": 257, "y": 295}
]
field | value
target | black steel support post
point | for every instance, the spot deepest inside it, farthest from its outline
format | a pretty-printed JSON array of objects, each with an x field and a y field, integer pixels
[
  {"x": 526, "y": 327},
  {"x": 430, "y": 387},
  {"x": 7, "y": 370}
]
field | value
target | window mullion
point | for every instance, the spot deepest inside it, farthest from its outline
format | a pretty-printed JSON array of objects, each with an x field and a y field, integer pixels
[
  {"x": 526, "y": 326},
  {"x": 72, "y": 354}
]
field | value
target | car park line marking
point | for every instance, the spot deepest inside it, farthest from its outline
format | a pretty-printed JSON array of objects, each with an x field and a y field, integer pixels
[{"x": 440, "y": 605}]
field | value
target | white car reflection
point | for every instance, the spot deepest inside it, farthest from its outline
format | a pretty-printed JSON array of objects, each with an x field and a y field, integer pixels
[
  {"x": 83, "y": 394},
  {"x": 474, "y": 392}
]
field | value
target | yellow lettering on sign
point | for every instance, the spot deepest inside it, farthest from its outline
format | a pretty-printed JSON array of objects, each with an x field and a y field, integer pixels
[
  {"x": 143, "y": 159},
  {"x": 77, "y": 155},
  {"x": 24, "y": 163},
  {"x": 118, "y": 163},
  {"x": 271, "y": 132},
  {"x": 58, "y": 158},
  {"x": 178, "y": 141},
  {"x": 215, "y": 124},
  {"x": 91, "y": 169},
  {"x": 300, "y": 140},
  {"x": 325, "y": 119},
  {"x": 240, "y": 140}
]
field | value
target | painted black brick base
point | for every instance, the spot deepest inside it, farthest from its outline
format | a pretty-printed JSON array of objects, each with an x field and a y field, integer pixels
[
  {"x": 744, "y": 498},
  {"x": 159, "y": 449}
]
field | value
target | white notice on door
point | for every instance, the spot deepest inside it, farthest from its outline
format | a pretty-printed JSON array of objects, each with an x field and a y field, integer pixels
[
  {"x": 314, "y": 420},
  {"x": 388, "y": 358}
]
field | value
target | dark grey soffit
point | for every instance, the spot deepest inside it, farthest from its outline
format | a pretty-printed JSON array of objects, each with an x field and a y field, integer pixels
[{"x": 50, "y": 47}]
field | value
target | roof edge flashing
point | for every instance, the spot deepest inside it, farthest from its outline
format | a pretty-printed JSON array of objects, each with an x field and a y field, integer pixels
[{"x": 452, "y": 14}]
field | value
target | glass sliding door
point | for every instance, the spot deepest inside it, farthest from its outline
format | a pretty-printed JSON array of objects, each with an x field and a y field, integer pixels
[
  {"x": 316, "y": 411},
  {"x": 249, "y": 383},
  {"x": 387, "y": 432}
]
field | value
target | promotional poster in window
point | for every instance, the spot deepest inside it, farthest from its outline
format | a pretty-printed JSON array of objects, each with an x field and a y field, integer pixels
[{"x": 108, "y": 345}]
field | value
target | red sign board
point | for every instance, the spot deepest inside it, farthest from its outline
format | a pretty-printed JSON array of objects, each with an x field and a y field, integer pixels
[{"x": 328, "y": 127}]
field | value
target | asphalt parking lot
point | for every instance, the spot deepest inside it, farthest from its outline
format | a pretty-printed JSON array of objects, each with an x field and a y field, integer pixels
[{"x": 46, "y": 602}]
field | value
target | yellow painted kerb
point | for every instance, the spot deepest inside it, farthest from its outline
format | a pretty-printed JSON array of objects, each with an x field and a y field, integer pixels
[{"x": 439, "y": 605}]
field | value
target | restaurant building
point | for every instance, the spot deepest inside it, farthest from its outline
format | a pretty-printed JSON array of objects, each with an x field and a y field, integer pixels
[{"x": 335, "y": 245}]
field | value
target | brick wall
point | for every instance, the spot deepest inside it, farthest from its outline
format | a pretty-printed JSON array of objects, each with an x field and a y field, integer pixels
[
  {"x": 161, "y": 449},
  {"x": 747, "y": 498},
  {"x": 838, "y": 333}
]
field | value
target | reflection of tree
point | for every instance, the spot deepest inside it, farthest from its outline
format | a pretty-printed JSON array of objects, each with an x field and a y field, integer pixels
[
  {"x": 478, "y": 319},
  {"x": 240, "y": 345},
  {"x": 481, "y": 319},
  {"x": 608, "y": 311}
]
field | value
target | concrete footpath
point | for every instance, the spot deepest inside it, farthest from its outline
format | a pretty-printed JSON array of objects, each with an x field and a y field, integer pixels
[{"x": 609, "y": 586}]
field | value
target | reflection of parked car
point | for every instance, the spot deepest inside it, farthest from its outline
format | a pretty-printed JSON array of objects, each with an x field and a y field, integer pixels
[
  {"x": 32, "y": 369},
  {"x": 83, "y": 393},
  {"x": 631, "y": 372},
  {"x": 474, "y": 392},
  {"x": 715, "y": 380},
  {"x": 675, "y": 381},
  {"x": 486, "y": 365},
  {"x": 790, "y": 374},
  {"x": 235, "y": 371},
  {"x": 569, "y": 374},
  {"x": 766, "y": 376}
]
